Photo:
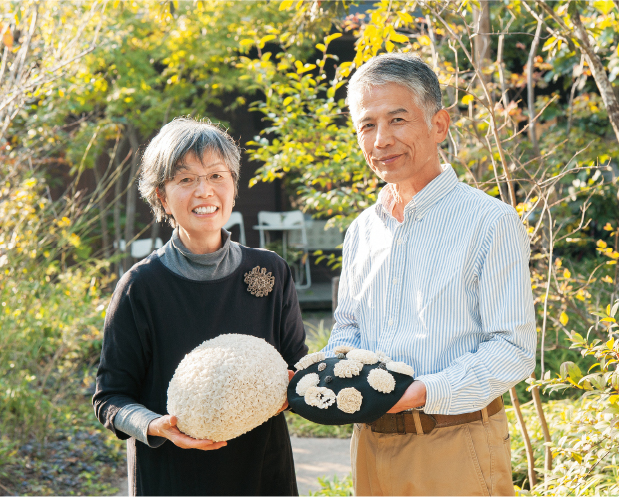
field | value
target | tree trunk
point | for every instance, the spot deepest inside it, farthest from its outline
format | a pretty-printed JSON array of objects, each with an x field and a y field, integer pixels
[
  {"x": 547, "y": 439},
  {"x": 482, "y": 35},
  {"x": 132, "y": 195},
  {"x": 531, "y": 88},
  {"x": 116, "y": 214},
  {"x": 102, "y": 204},
  {"x": 154, "y": 233},
  {"x": 597, "y": 68},
  {"x": 525, "y": 437}
]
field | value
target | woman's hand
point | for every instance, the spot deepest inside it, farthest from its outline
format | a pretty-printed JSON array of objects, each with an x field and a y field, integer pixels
[
  {"x": 285, "y": 405},
  {"x": 165, "y": 427}
]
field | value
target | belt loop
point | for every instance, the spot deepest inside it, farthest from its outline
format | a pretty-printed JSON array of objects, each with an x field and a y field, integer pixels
[
  {"x": 417, "y": 420},
  {"x": 484, "y": 415}
]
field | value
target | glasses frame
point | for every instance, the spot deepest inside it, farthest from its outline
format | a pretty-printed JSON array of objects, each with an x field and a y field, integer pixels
[{"x": 194, "y": 184}]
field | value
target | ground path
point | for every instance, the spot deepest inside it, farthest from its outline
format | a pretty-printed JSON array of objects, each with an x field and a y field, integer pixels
[{"x": 313, "y": 457}]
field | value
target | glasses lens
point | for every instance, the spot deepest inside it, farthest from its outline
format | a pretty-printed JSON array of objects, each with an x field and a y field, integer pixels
[
  {"x": 185, "y": 179},
  {"x": 218, "y": 177}
]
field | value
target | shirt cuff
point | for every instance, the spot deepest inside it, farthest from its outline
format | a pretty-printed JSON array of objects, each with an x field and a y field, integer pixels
[
  {"x": 133, "y": 419},
  {"x": 438, "y": 393}
]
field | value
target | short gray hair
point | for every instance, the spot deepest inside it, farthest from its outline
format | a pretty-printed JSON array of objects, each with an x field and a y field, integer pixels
[
  {"x": 404, "y": 69},
  {"x": 164, "y": 157}
]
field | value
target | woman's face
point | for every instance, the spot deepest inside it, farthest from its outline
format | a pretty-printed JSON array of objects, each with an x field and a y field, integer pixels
[{"x": 200, "y": 207}]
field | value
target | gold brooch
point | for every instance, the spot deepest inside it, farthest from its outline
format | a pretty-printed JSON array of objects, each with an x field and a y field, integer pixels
[{"x": 260, "y": 282}]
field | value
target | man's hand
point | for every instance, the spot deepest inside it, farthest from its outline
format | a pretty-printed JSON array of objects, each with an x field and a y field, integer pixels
[
  {"x": 415, "y": 396},
  {"x": 285, "y": 405},
  {"x": 165, "y": 427}
]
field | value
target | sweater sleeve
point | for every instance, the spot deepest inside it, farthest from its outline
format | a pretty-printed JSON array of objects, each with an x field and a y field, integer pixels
[
  {"x": 125, "y": 354},
  {"x": 292, "y": 332},
  {"x": 133, "y": 420}
]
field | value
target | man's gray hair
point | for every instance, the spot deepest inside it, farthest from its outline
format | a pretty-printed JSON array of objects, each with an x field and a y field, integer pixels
[
  {"x": 165, "y": 154},
  {"x": 403, "y": 69}
]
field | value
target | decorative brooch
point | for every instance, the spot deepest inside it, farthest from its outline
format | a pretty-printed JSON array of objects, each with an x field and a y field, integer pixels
[{"x": 260, "y": 282}]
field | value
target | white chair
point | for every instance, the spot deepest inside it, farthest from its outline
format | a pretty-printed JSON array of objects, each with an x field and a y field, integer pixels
[
  {"x": 237, "y": 218},
  {"x": 285, "y": 222},
  {"x": 141, "y": 248}
]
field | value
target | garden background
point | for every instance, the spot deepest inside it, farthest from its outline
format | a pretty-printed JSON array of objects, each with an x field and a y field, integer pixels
[{"x": 531, "y": 87}]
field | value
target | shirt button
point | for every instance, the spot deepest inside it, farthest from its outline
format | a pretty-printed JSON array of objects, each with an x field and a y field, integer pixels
[
  {"x": 395, "y": 281},
  {"x": 390, "y": 323},
  {"x": 400, "y": 241}
]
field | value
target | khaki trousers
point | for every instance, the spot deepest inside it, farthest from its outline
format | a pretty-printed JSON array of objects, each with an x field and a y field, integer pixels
[{"x": 469, "y": 459}]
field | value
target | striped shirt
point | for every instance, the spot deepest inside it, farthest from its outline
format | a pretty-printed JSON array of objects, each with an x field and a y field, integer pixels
[{"x": 446, "y": 291}]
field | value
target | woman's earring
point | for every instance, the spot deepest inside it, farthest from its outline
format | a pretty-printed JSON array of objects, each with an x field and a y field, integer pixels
[{"x": 233, "y": 203}]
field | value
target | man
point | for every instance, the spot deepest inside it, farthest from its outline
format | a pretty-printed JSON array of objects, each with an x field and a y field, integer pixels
[{"x": 435, "y": 275}]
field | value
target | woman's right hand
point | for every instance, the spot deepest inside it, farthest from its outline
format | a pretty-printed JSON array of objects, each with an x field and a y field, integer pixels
[{"x": 165, "y": 427}]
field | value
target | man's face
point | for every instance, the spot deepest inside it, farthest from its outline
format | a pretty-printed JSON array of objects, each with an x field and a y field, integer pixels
[{"x": 393, "y": 135}]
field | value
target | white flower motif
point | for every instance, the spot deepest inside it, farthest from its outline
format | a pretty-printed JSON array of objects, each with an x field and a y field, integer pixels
[
  {"x": 342, "y": 349},
  {"x": 364, "y": 356},
  {"x": 400, "y": 367},
  {"x": 382, "y": 357},
  {"x": 347, "y": 368},
  {"x": 349, "y": 400},
  {"x": 227, "y": 386},
  {"x": 320, "y": 397},
  {"x": 308, "y": 360},
  {"x": 381, "y": 380},
  {"x": 309, "y": 380}
]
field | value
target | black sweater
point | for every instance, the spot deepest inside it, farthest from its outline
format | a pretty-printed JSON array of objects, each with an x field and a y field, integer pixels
[{"x": 154, "y": 319}]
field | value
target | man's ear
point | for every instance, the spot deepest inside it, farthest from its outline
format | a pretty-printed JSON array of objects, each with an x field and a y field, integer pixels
[
  {"x": 440, "y": 125},
  {"x": 162, "y": 199}
]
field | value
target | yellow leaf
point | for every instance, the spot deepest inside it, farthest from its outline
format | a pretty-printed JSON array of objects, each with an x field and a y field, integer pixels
[
  {"x": 321, "y": 47},
  {"x": 563, "y": 319},
  {"x": 604, "y": 6},
  {"x": 405, "y": 17},
  {"x": 607, "y": 279},
  {"x": 467, "y": 99},
  {"x": 566, "y": 274},
  {"x": 608, "y": 227},
  {"x": 425, "y": 40},
  {"x": 601, "y": 244},
  {"x": 286, "y": 4},
  {"x": 389, "y": 46},
  {"x": 610, "y": 263},
  {"x": 7, "y": 38},
  {"x": 287, "y": 101},
  {"x": 398, "y": 37},
  {"x": 558, "y": 263},
  {"x": 332, "y": 37},
  {"x": 246, "y": 41}
]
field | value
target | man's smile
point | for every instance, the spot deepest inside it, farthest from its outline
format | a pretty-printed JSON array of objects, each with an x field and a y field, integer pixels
[{"x": 388, "y": 159}]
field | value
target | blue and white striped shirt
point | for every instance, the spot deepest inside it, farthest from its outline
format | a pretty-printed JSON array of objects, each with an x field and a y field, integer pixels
[{"x": 446, "y": 291}]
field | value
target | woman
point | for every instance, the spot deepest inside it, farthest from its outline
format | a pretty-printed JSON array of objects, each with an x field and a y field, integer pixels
[{"x": 191, "y": 290}]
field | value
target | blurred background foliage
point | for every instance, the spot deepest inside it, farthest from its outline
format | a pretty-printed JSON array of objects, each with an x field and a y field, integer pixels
[{"x": 532, "y": 91}]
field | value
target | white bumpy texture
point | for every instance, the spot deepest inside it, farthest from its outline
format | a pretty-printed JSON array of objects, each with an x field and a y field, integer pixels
[{"x": 227, "y": 386}]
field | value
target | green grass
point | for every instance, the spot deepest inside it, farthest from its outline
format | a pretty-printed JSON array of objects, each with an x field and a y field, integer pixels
[
  {"x": 301, "y": 427},
  {"x": 79, "y": 457},
  {"x": 334, "y": 486}
]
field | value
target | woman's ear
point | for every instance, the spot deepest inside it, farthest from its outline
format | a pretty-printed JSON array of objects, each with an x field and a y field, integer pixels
[{"x": 162, "y": 199}]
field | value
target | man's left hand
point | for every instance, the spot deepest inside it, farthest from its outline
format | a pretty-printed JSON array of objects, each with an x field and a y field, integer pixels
[{"x": 415, "y": 396}]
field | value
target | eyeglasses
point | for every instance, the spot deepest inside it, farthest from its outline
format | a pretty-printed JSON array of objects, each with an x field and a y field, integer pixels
[{"x": 190, "y": 180}]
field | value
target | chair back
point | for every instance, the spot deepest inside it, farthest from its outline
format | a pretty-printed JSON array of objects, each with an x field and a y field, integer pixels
[
  {"x": 290, "y": 218},
  {"x": 237, "y": 218}
]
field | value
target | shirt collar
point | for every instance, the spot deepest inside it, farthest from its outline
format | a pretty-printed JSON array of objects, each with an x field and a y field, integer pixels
[{"x": 423, "y": 201}]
